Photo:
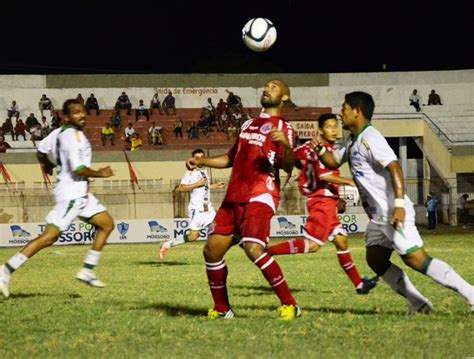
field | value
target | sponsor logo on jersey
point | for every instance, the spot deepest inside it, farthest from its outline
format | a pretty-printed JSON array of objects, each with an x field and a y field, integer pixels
[{"x": 266, "y": 128}]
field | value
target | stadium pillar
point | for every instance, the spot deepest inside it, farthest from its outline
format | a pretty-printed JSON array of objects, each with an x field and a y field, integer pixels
[
  {"x": 453, "y": 196},
  {"x": 402, "y": 152}
]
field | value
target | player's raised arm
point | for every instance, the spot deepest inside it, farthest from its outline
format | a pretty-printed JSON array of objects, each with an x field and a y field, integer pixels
[
  {"x": 288, "y": 157},
  {"x": 330, "y": 159},
  {"x": 396, "y": 173},
  {"x": 337, "y": 180},
  {"x": 221, "y": 161},
  {"x": 190, "y": 187},
  {"x": 89, "y": 172}
]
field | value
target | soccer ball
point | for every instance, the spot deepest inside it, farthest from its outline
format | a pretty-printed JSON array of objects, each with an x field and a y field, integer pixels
[{"x": 259, "y": 34}]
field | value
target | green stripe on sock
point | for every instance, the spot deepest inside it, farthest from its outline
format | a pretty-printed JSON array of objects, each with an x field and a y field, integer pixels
[
  {"x": 186, "y": 237},
  {"x": 426, "y": 264},
  {"x": 411, "y": 250}
]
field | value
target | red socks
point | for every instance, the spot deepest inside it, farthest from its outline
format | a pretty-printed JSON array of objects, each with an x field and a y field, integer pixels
[
  {"x": 273, "y": 274},
  {"x": 217, "y": 276},
  {"x": 293, "y": 246},
  {"x": 345, "y": 260}
]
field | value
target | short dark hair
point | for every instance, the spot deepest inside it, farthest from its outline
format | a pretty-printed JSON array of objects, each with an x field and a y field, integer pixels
[
  {"x": 68, "y": 103},
  {"x": 325, "y": 117},
  {"x": 363, "y": 101},
  {"x": 196, "y": 151}
]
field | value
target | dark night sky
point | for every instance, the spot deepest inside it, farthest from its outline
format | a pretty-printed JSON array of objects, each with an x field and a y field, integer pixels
[{"x": 198, "y": 36}]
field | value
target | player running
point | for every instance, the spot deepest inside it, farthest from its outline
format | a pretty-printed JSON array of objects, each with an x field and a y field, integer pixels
[
  {"x": 72, "y": 152},
  {"x": 320, "y": 185},
  {"x": 379, "y": 178},
  {"x": 200, "y": 211},
  {"x": 265, "y": 145}
]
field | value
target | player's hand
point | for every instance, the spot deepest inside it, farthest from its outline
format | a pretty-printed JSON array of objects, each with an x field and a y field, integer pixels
[
  {"x": 106, "y": 172},
  {"x": 279, "y": 137},
  {"x": 193, "y": 162},
  {"x": 219, "y": 185},
  {"x": 317, "y": 142},
  {"x": 48, "y": 168},
  {"x": 398, "y": 218}
]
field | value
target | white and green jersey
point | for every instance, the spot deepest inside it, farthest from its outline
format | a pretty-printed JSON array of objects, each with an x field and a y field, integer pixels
[
  {"x": 72, "y": 153},
  {"x": 369, "y": 154},
  {"x": 200, "y": 197},
  {"x": 48, "y": 144}
]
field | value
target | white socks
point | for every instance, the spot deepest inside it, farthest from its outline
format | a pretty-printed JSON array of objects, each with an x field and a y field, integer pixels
[
  {"x": 92, "y": 259},
  {"x": 399, "y": 282},
  {"x": 445, "y": 275},
  {"x": 15, "y": 262}
]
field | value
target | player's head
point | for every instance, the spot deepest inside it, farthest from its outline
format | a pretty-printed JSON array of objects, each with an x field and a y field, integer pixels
[
  {"x": 357, "y": 106},
  {"x": 327, "y": 124},
  {"x": 275, "y": 94},
  {"x": 74, "y": 113},
  {"x": 198, "y": 153}
]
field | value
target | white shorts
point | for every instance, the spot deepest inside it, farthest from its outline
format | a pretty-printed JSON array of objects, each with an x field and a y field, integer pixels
[
  {"x": 64, "y": 212},
  {"x": 200, "y": 219},
  {"x": 405, "y": 241}
]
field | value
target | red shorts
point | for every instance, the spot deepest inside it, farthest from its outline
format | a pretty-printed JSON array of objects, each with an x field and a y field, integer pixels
[
  {"x": 248, "y": 221},
  {"x": 322, "y": 223}
]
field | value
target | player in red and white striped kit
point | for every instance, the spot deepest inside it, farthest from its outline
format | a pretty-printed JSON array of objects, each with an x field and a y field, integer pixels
[
  {"x": 320, "y": 185},
  {"x": 264, "y": 146}
]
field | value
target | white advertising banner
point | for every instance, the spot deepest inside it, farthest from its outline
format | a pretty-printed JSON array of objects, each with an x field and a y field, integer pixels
[{"x": 152, "y": 230}]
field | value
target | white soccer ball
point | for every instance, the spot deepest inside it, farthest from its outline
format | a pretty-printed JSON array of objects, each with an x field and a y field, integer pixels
[{"x": 259, "y": 34}]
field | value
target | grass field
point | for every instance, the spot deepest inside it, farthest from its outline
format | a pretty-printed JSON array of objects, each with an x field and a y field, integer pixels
[{"x": 158, "y": 309}]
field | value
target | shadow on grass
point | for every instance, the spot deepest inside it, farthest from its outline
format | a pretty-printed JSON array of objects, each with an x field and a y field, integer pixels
[
  {"x": 161, "y": 263},
  {"x": 259, "y": 290},
  {"x": 176, "y": 310},
  {"x": 35, "y": 295}
]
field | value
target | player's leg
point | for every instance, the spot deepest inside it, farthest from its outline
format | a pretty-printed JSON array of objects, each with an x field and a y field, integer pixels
[
  {"x": 362, "y": 285},
  {"x": 440, "y": 272},
  {"x": 216, "y": 269},
  {"x": 255, "y": 232},
  {"x": 58, "y": 220},
  {"x": 378, "y": 252},
  {"x": 189, "y": 236},
  {"x": 294, "y": 246},
  {"x": 97, "y": 215}
]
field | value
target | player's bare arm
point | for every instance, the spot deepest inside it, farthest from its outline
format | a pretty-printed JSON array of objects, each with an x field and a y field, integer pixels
[
  {"x": 190, "y": 187},
  {"x": 45, "y": 163},
  {"x": 222, "y": 161},
  {"x": 217, "y": 185},
  {"x": 104, "y": 172},
  {"x": 337, "y": 180},
  {"x": 325, "y": 157},
  {"x": 396, "y": 173},
  {"x": 288, "y": 155}
]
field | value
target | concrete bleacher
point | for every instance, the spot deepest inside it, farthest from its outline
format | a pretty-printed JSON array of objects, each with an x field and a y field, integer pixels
[{"x": 214, "y": 139}]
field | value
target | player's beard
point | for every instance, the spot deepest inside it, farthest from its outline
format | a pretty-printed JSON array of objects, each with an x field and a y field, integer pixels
[{"x": 268, "y": 102}]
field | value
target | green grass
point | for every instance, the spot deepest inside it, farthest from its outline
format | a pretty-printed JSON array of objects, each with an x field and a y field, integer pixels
[{"x": 158, "y": 309}]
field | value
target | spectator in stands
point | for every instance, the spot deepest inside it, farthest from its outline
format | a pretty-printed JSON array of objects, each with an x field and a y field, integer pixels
[
  {"x": 236, "y": 117},
  {"x": 45, "y": 104},
  {"x": 432, "y": 210},
  {"x": 107, "y": 133},
  {"x": 141, "y": 110},
  {"x": 123, "y": 102},
  {"x": 248, "y": 115},
  {"x": 136, "y": 142},
  {"x": 4, "y": 146},
  {"x": 204, "y": 124},
  {"x": 231, "y": 131},
  {"x": 415, "y": 100},
  {"x": 116, "y": 120},
  {"x": 129, "y": 131},
  {"x": 169, "y": 105},
  {"x": 221, "y": 108},
  {"x": 155, "y": 103},
  {"x": 155, "y": 135},
  {"x": 20, "y": 129},
  {"x": 80, "y": 99},
  {"x": 462, "y": 210},
  {"x": 36, "y": 134},
  {"x": 7, "y": 128},
  {"x": 234, "y": 101},
  {"x": 56, "y": 121},
  {"x": 193, "y": 131},
  {"x": 92, "y": 104},
  {"x": 434, "y": 99},
  {"x": 45, "y": 126},
  {"x": 223, "y": 121},
  {"x": 13, "y": 110},
  {"x": 178, "y": 128},
  {"x": 31, "y": 122}
]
